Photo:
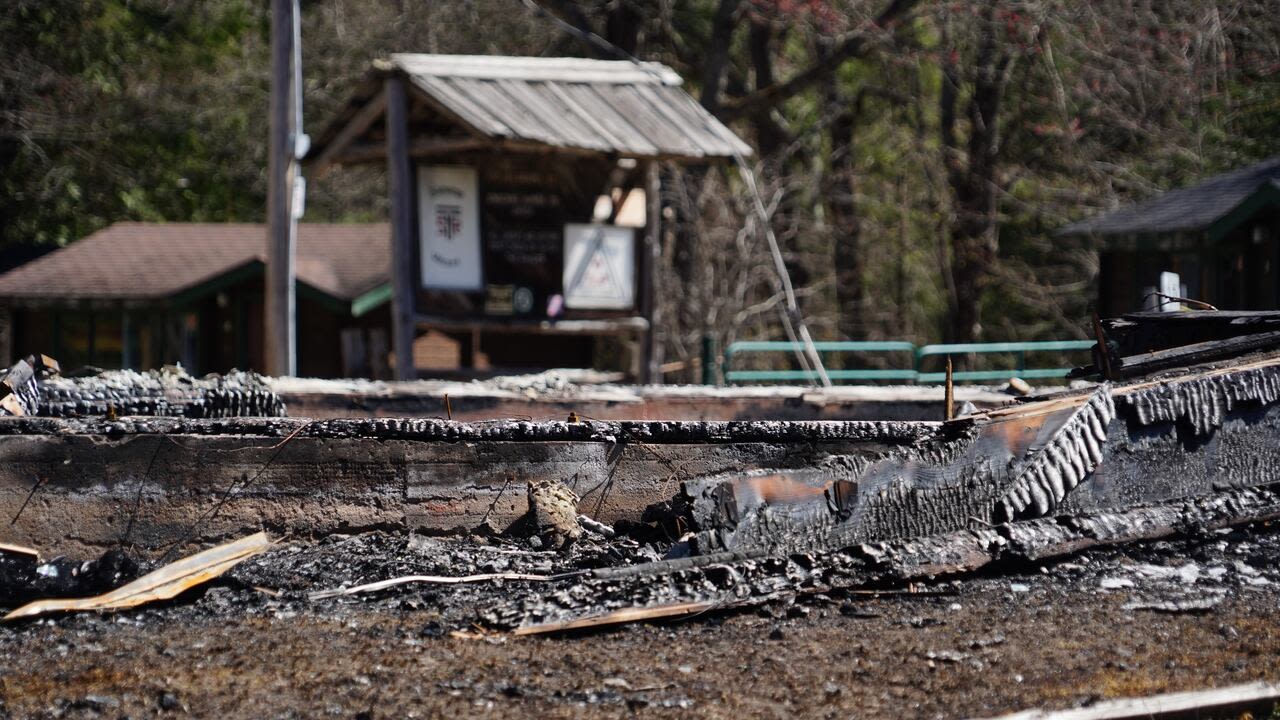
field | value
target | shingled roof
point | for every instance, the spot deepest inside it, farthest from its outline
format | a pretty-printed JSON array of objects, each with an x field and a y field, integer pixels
[
  {"x": 148, "y": 262},
  {"x": 1211, "y": 207},
  {"x": 612, "y": 107}
]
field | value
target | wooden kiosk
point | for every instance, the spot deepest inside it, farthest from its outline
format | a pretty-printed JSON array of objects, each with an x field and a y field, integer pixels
[{"x": 510, "y": 181}]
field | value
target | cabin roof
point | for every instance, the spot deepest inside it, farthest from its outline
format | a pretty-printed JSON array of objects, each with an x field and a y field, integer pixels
[
  {"x": 1213, "y": 206},
  {"x": 134, "y": 261}
]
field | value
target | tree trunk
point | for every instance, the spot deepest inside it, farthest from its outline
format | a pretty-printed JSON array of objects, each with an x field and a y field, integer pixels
[
  {"x": 973, "y": 178},
  {"x": 841, "y": 198},
  {"x": 722, "y": 26},
  {"x": 770, "y": 138}
]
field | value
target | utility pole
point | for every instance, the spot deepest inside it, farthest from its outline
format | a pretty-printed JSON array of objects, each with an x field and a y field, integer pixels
[{"x": 285, "y": 189}]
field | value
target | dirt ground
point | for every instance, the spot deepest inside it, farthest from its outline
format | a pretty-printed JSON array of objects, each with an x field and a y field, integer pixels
[{"x": 1171, "y": 616}]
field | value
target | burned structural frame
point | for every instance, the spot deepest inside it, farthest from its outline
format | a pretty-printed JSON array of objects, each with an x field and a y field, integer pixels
[{"x": 565, "y": 122}]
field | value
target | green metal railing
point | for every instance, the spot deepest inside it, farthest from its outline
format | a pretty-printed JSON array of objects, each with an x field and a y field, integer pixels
[{"x": 917, "y": 358}]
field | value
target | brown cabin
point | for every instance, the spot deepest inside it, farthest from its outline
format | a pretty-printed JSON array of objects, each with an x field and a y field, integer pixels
[{"x": 142, "y": 295}]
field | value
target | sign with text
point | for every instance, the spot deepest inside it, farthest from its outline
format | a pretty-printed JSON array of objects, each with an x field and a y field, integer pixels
[
  {"x": 599, "y": 267},
  {"x": 523, "y": 242},
  {"x": 449, "y": 228}
]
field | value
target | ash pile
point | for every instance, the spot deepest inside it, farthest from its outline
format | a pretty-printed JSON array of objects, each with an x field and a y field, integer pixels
[{"x": 34, "y": 386}]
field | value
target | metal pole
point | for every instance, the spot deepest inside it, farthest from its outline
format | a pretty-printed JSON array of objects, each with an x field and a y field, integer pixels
[{"x": 281, "y": 225}]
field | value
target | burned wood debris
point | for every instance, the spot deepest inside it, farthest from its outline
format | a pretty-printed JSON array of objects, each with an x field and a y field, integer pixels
[
  {"x": 1184, "y": 451},
  {"x": 34, "y": 387},
  {"x": 1193, "y": 448},
  {"x": 1174, "y": 449}
]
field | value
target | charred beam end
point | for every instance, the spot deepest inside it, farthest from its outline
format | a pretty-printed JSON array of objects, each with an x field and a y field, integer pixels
[{"x": 1061, "y": 463}]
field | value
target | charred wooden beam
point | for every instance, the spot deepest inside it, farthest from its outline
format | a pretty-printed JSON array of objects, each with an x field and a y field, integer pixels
[
  {"x": 727, "y": 580},
  {"x": 167, "y": 392}
]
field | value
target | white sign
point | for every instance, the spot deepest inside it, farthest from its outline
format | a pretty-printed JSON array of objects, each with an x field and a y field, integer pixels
[
  {"x": 599, "y": 267},
  {"x": 449, "y": 228},
  {"x": 1170, "y": 287}
]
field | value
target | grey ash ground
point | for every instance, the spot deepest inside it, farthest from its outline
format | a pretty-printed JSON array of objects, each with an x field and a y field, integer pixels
[{"x": 1174, "y": 615}]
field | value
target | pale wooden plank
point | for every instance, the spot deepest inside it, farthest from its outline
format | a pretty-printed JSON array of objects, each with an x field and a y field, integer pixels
[
  {"x": 631, "y": 140},
  {"x": 1182, "y": 704},
  {"x": 534, "y": 68},
  {"x": 498, "y": 102},
  {"x": 547, "y": 115},
  {"x": 656, "y": 130},
  {"x": 444, "y": 93},
  {"x": 695, "y": 129}
]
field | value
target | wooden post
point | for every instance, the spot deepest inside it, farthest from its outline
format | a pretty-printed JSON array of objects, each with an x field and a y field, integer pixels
[
  {"x": 281, "y": 227},
  {"x": 949, "y": 413},
  {"x": 650, "y": 354},
  {"x": 400, "y": 179}
]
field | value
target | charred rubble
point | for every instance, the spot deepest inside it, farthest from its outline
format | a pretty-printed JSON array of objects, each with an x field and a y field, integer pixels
[
  {"x": 34, "y": 387},
  {"x": 1177, "y": 437}
]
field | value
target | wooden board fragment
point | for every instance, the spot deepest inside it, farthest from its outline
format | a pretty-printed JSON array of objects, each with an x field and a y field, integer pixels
[
  {"x": 162, "y": 584},
  {"x": 1218, "y": 702}
]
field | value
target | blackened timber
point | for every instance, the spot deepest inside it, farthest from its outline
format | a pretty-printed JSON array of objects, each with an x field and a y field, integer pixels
[
  {"x": 723, "y": 582},
  {"x": 1196, "y": 353}
]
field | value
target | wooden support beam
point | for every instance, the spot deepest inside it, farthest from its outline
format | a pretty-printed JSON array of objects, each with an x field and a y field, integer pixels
[
  {"x": 354, "y": 129},
  {"x": 357, "y": 153},
  {"x": 403, "y": 235},
  {"x": 586, "y": 326},
  {"x": 651, "y": 252}
]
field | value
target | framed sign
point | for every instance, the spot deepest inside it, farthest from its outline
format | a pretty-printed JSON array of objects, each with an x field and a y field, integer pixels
[
  {"x": 449, "y": 228},
  {"x": 599, "y": 267}
]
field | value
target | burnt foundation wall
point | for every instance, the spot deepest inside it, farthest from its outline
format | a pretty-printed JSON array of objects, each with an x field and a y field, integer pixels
[
  {"x": 75, "y": 486},
  {"x": 69, "y": 484}
]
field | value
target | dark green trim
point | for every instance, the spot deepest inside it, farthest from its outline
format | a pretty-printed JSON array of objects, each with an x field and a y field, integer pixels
[
  {"x": 231, "y": 277},
  {"x": 253, "y": 269},
  {"x": 1266, "y": 196},
  {"x": 335, "y": 305},
  {"x": 371, "y": 300}
]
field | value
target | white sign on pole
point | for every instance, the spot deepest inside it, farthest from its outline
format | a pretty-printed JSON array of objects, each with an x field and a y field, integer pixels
[
  {"x": 1170, "y": 286},
  {"x": 449, "y": 228},
  {"x": 599, "y": 267}
]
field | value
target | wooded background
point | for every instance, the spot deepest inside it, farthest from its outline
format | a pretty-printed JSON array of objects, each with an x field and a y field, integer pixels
[{"x": 915, "y": 157}]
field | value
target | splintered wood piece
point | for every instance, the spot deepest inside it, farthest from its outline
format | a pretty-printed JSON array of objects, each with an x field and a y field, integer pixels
[
  {"x": 1218, "y": 702},
  {"x": 19, "y": 550},
  {"x": 162, "y": 584},
  {"x": 619, "y": 617}
]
